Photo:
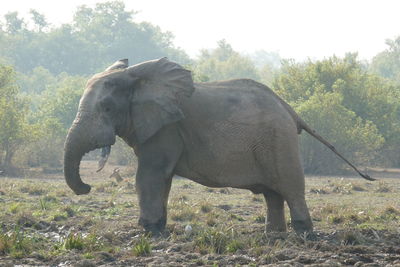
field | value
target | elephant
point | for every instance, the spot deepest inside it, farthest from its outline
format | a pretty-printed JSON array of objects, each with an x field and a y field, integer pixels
[{"x": 235, "y": 133}]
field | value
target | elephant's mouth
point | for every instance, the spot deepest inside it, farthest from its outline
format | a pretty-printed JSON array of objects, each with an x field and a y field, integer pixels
[{"x": 105, "y": 153}]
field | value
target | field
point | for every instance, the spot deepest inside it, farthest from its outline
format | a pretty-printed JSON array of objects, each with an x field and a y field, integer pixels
[{"x": 43, "y": 223}]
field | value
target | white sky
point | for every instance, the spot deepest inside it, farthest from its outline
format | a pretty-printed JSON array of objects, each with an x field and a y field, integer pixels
[{"x": 296, "y": 29}]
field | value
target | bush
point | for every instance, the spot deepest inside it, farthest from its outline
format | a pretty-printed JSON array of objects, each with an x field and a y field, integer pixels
[{"x": 354, "y": 138}]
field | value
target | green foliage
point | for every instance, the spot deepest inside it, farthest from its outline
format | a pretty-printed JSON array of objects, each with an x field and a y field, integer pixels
[
  {"x": 352, "y": 137},
  {"x": 55, "y": 106},
  {"x": 95, "y": 37},
  {"x": 387, "y": 63},
  {"x": 15, "y": 129},
  {"x": 224, "y": 63},
  {"x": 345, "y": 104}
]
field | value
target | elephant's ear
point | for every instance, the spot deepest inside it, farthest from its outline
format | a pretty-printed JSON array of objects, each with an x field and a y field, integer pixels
[{"x": 160, "y": 86}]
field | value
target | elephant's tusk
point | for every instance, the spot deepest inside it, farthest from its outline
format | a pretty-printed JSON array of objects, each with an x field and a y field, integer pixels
[{"x": 105, "y": 152}]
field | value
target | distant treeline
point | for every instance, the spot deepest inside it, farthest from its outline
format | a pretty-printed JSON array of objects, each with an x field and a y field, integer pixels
[{"x": 43, "y": 71}]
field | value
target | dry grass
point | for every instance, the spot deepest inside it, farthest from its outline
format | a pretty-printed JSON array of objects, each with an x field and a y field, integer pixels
[{"x": 43, "y": 223}]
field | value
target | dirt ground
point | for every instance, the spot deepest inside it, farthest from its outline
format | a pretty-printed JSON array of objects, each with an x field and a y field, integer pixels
[{"x": 42, "y": 223}]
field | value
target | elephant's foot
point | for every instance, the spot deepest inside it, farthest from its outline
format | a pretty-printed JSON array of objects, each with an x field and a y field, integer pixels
[
  {"x": 273, "y": 227},
  {"x": 302, "y": 226},
  {"x": 154, "y": 228}
]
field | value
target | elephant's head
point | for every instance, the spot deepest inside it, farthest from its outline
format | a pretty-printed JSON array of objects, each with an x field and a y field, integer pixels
[{"x": 131, "y": 102}]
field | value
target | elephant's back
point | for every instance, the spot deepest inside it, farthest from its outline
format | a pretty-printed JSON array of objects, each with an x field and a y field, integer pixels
[{"x": 241, "y": 100}]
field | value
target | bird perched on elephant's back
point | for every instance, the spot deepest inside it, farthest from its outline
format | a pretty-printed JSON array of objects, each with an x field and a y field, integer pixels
[{"x": 235, "y": 133}]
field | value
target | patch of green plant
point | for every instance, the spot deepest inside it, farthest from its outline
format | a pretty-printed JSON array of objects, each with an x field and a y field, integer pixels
[
  {"x": 16, "y": 243},
  {"x": 234, "y": 245},
  {"x": 43, "y": 204},
  {"x": 212, "y": 241},
  {"x": 88, "y": 243},
  {"x": 73, "y": 241},
  {"x": 142, "y": 247},
  {"x": 15, "y": 207}
]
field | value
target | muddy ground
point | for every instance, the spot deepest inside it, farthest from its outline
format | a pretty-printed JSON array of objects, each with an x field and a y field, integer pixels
[{"x": 42, "y": 223}]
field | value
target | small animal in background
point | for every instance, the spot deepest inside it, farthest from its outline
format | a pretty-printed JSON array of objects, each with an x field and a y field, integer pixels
[{"x": 116, "y": 175}]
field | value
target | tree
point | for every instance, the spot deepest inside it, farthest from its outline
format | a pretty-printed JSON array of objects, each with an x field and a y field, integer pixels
[
  {"x": 13, "y": 23},
  {"x": 365, "y": 105},
  {"x": 387, "y": 63},
  {"x": 95, "y": 38},
  {"x": 353, "y": 137},
  {"x": 36, "y": 81},
  {"x": 55, "y": 110},
  {"x": 15, "y": 130},
  {"x": 224, "y": 63},
  {"x": 39, "y": 20}
]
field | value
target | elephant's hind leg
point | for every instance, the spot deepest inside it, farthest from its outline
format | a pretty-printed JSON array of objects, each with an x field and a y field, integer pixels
[
  {"x": 288, "y": 180},
  {"x": 295, "y": 197},
  {"x": 275, "y": 212}
]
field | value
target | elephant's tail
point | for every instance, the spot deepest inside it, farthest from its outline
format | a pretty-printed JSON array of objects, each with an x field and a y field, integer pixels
[{"x": 303, "y": 125}]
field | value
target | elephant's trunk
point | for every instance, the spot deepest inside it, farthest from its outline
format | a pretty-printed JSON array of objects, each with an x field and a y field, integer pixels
[{"x": 74, "y": 150}]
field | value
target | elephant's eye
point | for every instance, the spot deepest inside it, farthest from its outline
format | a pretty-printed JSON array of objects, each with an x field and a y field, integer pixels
[{"x": 106, "y": 105}]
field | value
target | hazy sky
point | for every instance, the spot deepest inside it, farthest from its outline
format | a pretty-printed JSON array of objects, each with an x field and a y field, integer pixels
[{"x": 295, "y": 29}]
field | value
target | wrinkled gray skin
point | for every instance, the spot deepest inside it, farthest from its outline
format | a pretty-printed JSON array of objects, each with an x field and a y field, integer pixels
[{"x": 236, "y": 133}]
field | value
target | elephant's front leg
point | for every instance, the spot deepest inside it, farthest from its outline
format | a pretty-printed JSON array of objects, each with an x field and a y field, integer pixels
[
  {"x": 157, "y": 159},
  {"x": 153, "y": 187}
]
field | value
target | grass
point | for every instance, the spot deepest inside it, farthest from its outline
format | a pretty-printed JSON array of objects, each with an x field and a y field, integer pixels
[
  {"x": 212, "y": 241},
  {"x": 142, "y": 247},
  {"x": 73, "y": 241},
  {"x": 49, "y": 221},
  {"x": 17, "y": 243}
]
